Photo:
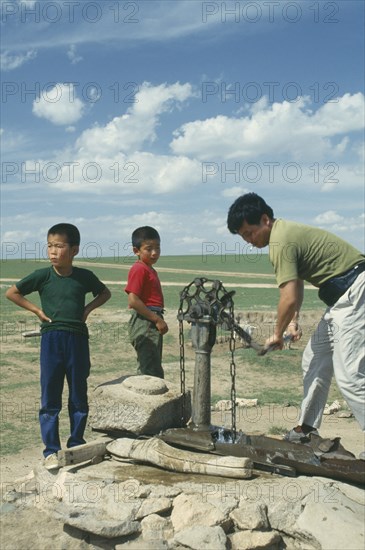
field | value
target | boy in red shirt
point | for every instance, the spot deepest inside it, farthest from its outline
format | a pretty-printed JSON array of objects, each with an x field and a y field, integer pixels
[{"x": 145, "y": 298}]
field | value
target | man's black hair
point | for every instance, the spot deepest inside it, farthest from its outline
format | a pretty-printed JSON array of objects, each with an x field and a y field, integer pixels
[
  {"x": 71, "y": 232},
  {"x": 145, "y": 233},
  {"x": 249, "y": 208}
]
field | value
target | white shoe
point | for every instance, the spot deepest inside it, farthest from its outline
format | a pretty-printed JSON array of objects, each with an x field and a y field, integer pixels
[
  {"x": 51, "y": 462},
  {"x": 298, "y": 437}
]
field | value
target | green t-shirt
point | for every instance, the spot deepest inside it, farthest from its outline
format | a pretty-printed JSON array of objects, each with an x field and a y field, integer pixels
[
  {"x": 299, "y": 251},
  {"x": 62, "y": 298}
]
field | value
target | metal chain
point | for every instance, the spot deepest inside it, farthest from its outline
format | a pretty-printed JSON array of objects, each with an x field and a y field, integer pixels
[
  {"x": 232, "y": 368},
  {"x": 182, "y": 360}
]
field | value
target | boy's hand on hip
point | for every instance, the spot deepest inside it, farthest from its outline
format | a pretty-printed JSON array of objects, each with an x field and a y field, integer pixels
[
  {"x": 161, "y": 326},
  {"x": 43, "y": 317}
]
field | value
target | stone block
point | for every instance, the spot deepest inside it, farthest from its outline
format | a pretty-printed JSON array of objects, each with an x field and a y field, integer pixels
[{"x": 142, "y": 405}]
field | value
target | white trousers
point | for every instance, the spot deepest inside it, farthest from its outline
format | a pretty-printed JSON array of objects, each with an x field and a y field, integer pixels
[{"x": 337, "y": 347}]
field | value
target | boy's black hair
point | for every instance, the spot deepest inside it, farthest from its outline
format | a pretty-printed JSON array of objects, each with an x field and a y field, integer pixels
[
  {"x": 249, "y": 208},
  {"x": 71, "y": 232},
  {"x": 145, "y": 233}
]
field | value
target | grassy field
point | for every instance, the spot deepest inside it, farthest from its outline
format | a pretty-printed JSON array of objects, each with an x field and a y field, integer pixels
[
  {"x": 275, "y": 378},
  {"x": 180, "y": 271}
]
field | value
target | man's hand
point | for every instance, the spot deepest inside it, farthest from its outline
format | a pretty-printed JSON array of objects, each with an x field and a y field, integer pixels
[
  {"x": 294, "y": 330},
  {"x": 274, "y": 343}
]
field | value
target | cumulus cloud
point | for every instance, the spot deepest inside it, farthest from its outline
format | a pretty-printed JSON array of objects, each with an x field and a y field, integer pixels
[
  {"x": 328, "y": 217},
  {"x": 113, "y": 157},
  {"x": 9, "y": 62},
  {"x": 281, "y": 129},
  {"x": 128, "y": 132},
  {"x": 334, "y": 222},
  {"x": 59, "y": 105}
]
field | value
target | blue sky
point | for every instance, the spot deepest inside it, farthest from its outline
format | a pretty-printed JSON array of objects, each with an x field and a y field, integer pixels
[{"x": 121, "y": 114}]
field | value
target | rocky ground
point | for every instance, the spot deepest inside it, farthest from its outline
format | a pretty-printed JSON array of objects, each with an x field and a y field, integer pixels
[{"x": 315, "y": 512}]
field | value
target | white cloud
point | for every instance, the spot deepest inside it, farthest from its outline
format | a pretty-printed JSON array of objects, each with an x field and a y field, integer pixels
[
  {"x": 150, "y": 21},
  {"x": 128, "y": 132},
  {"x": 28, "y": 3},
  {"x": 11, "y": 141},
  {"x": 10, "y": 61},
  {"x": 15, "y": 236},
  {"x": 234, "y": 192},
  {"x": 279, "y": 130},
  {"x": 341, "y": 225},
  {"x": 114, "y": 158},
  {"x": 73, "y": 56},
  {"x": 59, "y": 105},
  {"x": 328, "y": 217}
]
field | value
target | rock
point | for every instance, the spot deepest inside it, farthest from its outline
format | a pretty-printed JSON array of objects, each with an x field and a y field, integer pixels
[
  {"x": 226, "y": 404},
  {"x": 241, "y": 402},
  {"x": 321, "y": 519},
  {"x": 331, "y": 409},
  {"x": 223, "y": 405},
  {"x": 123, "y": 501},
  {"x": 247, "y": 540},
  {"x": 156, "y": 528},
  {"x": 189, "y": 511},
  {"x": 138, "y": 404},
  {"x": 202, "y": 538},
  {"x": 345, "y": 414},
  {"x": 154, "y": 506},
  {"x": 318, "y": 514},
  {"x": 250, "y": 516},
  {"x": 93, "y": 505},
  {"x": 141, "y": 544}
]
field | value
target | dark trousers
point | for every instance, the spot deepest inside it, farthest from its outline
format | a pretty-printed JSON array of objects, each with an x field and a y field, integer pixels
[
  {"x": 147, "y": 342},
  {"x": 63, "y": 354}
]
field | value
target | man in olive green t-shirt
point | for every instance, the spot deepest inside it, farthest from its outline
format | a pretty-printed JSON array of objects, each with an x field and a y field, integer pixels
[{"x": 303, "y": 253}]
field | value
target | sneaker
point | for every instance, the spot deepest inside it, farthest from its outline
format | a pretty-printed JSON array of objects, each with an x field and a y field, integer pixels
[
  {"x": 293, "y": 436},
  {"x": 362, "y": 455},
  {"x": 51, "y": 462}
]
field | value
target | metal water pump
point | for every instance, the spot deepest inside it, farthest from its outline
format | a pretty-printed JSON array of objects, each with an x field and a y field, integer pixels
[{"x": 205, "y": 304}]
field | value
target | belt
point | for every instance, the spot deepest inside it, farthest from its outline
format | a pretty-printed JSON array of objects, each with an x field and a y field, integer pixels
[
  {"x": 334, "y": 288},
  {"x": 157, "y": 309}
]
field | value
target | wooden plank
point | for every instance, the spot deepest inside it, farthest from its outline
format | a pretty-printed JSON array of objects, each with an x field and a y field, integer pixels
[{"x": 83, "y": 453}]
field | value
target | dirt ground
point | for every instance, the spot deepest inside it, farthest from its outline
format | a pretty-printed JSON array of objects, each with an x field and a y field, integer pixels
[{"x": 24, "y": 527}]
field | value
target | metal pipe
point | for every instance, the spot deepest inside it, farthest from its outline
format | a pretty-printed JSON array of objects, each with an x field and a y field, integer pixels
[{"x": 203, "y": 339}]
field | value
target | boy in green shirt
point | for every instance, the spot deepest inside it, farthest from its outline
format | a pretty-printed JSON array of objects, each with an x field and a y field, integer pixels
[{"x": 64, "y": 343}]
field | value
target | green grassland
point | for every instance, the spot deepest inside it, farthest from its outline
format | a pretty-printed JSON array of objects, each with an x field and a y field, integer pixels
[
  {"x": 275, "y": 378},
  {"x": 229, "y": 269}
]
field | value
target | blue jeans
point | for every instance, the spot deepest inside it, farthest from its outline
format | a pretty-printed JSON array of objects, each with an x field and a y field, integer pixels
[{"x": 63, "y": 354}]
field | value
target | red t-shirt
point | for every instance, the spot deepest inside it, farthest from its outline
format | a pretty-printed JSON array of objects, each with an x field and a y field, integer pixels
[{"x": 144, "y": 282}]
